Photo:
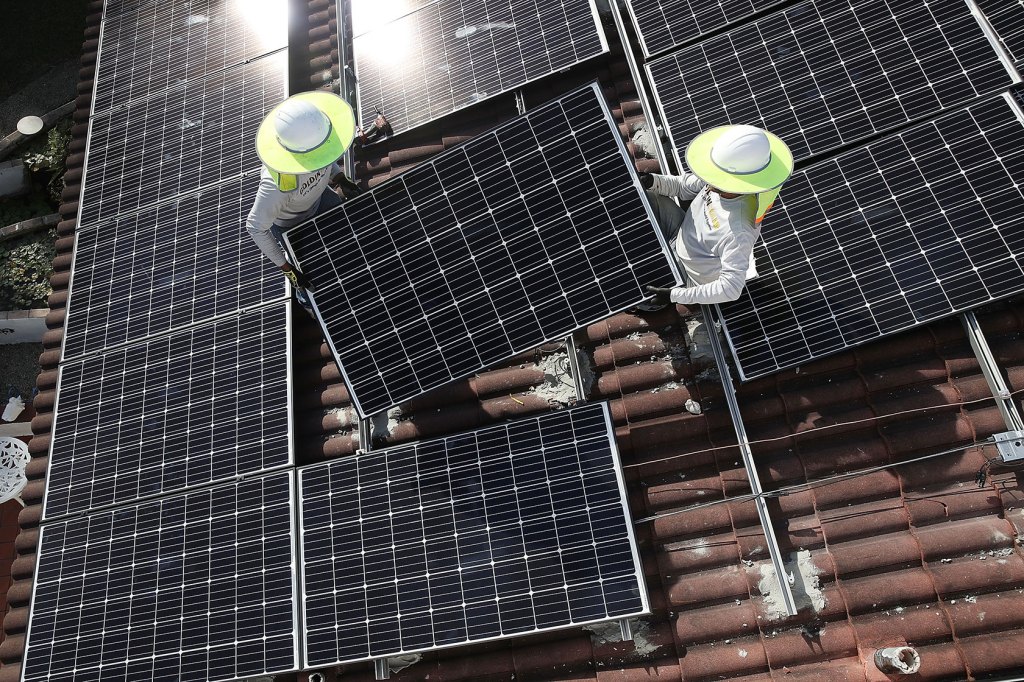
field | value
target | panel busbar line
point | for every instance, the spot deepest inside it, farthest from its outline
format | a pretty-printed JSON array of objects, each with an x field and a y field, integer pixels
[
  {"x": 1007, "y": 19},
  {"x": 172, "y": 265},
  {"x": 509, "y": 530},
  {"x": 909, "y": 229},
  {"x": 159, "y": 45},
  {"x": 197, "y": 406},
  {"x": 179, "y": 140},
  {"x": 199, "y": 586},
  {"x": 451, "y": 54},
  {"x": 665, "y": 24},
  {"x": 513, "y": 239},
  {"x": 831, "y": 72}
]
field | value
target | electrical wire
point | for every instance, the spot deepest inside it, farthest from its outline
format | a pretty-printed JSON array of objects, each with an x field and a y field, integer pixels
[
  {"x": 819, "y": 429},
  {"x": 811, "y": 485}
]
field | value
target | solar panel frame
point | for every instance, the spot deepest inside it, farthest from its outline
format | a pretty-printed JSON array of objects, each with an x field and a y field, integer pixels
[
  {"x": 657, "y": 33},
  {"x": 142, "y": 576},
  {"x": 435, "y": 81},
  {"x": 865, "y": 275},
  {"x": 121, "y": 401},
  {"x": 394, "y": 514},
  {"x": 113, "y": 299},
  {"x": 156, "y": 46},
  {"x": 446, "y": 246},
  {"x": 1006, "y": 18},
  {"x": 103, "y": 195},
  {"x": 803, "y": 117}
]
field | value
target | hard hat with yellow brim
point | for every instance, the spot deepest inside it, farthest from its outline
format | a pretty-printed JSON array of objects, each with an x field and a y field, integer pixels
[
  {"x": 281, "y": 160},
  {"x": 766, "y": 175}
]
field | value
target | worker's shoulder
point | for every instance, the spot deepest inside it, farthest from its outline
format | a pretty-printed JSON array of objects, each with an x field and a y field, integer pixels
[{"x": 742, "y": 211}]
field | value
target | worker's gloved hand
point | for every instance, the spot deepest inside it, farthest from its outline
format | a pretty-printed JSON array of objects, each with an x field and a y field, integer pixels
[
  {"x": 296, "y": 277},
  {"x": 659, "y": 295},
  {"x": 646, "y": 180}
]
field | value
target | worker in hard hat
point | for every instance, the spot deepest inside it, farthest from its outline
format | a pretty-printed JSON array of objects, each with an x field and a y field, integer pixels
[
  {"x": 736, "y": 174},
  {"x": 299, "y": 143}
]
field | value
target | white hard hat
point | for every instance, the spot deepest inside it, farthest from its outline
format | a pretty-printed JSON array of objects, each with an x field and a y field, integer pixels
[
  {"x": 741, "y": 150},
  {"x": 301, "y": 126}
]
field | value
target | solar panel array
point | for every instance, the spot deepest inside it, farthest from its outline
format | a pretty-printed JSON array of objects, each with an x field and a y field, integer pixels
[
  {"x": 450, "y": 54},
  {"x": 179, "y": 140},
  {"x": 665, "y": 24},
  {"x": 194, "y": 587},
  {"x": 911, "y": 228},
  {"x": 177, "y": 263},
  {"x": 490, "y": 249},
  {"x": 204, "y": 404},
  {"x": 155, "y": 46},
  {"x": 175, "y": 372},
  {"x": 827, "y": 73},
  {"x": 513, "y": 529},
  {"x": 1007, "y": 19}
]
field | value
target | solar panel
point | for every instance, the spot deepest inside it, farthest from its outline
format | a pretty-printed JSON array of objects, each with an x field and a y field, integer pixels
[
  {"x": 371, "y": 14},
  {"x": 176, "y": 264},
  {"x": 1007, "y": 19},
  {"x": 156, "y": 46},
  {"x": 664, "y": 24},
  {"x": 512, "y": 529},
  {"x": 449, "y": 54},
  {"x": 200, "y": 586},
  {"x": 909, "y": 229},
  {"x": 827, "y": 73},
  {"x": 490, "y": 249},
  {"x": 179, "y": 140},
  {"x": 199, "y": 405}
]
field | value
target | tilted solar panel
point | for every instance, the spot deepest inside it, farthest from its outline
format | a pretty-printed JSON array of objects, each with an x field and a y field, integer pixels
[
  {"x": 512, "y": 529},
  {"x": 664, "y": 24},
  {"x": 1007, "y": 19},
  {"x": 200, "y": 586},
  {"x": 175, "y": 264},
  {"x": 827, "y": 73},
  {"x": 155, "y": 46},
  {"x": 490, "y": 249},
  {"x": 179, "y": 140},
  {"x": 450, "y": 54},
  {"x": 909, "y": 229},
  {"x": 199, "y": 405}
]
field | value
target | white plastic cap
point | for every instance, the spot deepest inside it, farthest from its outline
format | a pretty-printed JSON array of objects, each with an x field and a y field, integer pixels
[
  {"x": 30, "y": 125},
  {"x": 741, "y": 150},
  {"x": 300, "y": 126}
]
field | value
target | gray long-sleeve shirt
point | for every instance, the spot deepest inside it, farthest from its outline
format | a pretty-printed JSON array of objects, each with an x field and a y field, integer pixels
[
  {"x": 285, "y": 209},
  {"x": 715, "y": 240}
]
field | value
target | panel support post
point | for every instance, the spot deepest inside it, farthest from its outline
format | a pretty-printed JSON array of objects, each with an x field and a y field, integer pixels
[
  {"x": 993, "y": 375},
  {"x": 626, "y": 629},
  {"x": 381, "y": 669},
  {"x": 574, "y": 369},
  {"x": 729, "y": 390}
]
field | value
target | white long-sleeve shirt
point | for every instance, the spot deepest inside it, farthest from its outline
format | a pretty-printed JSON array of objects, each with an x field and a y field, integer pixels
[
  {"x": 285, "y": 209},
  {"x": 715, "y": 240}
]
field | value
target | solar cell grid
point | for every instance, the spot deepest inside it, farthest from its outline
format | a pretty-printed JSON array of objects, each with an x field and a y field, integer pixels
[
  {"x": 508, "y": 530},
  {"x": 516, "y": 238},
  {"x": 178, "y": 263},
  {"x": 450, "y": 54},
  {"x": 904, "y": 231},
  {"x": 179, "y": 140},
  {"x": 664, "y": 24},
  {"x": 195, "y": 587},
  {"x": 197, "y": 406},
  {"x": 156, "y": 46},
  {"x": 1007, "y": 19},
  {"x": 827, "y": 73}
]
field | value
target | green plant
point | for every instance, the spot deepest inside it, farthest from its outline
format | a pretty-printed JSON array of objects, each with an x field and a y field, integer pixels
[
  {"x": 25, "y": 268},
  {"x": 49, "y": 156}
]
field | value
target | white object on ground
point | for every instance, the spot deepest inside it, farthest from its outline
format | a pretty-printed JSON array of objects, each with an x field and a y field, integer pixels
[
  {"x": 14, "y": 457},
  {"x": 901, "y": 660},
  {"x": 14, "y": 407},
  {"x": 30, "y": 125}
]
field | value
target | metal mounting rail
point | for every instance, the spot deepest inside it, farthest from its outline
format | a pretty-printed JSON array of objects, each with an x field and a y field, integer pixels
[{"x": 993, "y": 374}]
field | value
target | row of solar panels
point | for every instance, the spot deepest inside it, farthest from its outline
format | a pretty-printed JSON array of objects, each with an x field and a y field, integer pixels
[
  {"x": 884, "y": 236},
  {"x": 508, "y": 530}
]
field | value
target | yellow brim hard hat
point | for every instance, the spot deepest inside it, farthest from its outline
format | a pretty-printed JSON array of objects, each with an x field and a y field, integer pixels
[
  {"x": 700, "y": 163},
  {"x": 343, "y": 129}
]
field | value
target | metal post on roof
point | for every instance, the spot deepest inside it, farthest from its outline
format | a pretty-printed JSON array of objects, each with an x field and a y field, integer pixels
[
  {"x": 574, "y": 369},
  {"x": 993, "y": 374},
  {"x": 381, "y": 669},
  {"x": 774, "y": 551}
]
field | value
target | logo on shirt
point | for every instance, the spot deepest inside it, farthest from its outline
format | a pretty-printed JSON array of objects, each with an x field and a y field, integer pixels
[
  {"x": 311, "y": 181},
  {"x": 710, "y": 215}
]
